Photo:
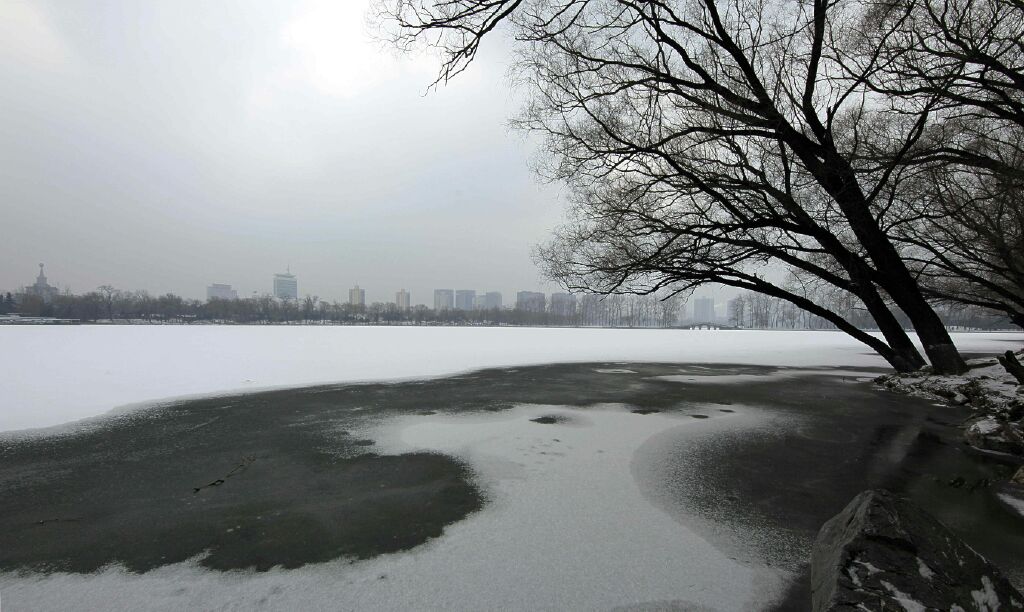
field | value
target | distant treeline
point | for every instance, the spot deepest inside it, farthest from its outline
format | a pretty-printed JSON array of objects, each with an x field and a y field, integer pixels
[
  {"x": 748, "y": 310},
  {"x": 108, "y": 304},
  {"x": 751, "y": 310}
]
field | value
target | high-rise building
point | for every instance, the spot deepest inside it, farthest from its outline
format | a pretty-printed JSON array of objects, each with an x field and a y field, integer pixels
[
  {"x": 704, "y": 310},
  {"x": 492, "y": 299},
  {"x": 217, "y": 291},
  {"x": 735, "y": 310},
  {"x": 563, "y": 304},
  {"x": 531, "y": 301},
  {"x": 42, "y": 288},
  {"x": 286, "y": 286},
  {"x": 444, "y": 299},
  {"x": 402, "y": 300},
  {"x": 357, "y": 296},
  {"x": 464, "y": 299}
]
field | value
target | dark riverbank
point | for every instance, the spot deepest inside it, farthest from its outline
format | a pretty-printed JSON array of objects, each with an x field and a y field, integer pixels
[{"x": 277, "y": 479}]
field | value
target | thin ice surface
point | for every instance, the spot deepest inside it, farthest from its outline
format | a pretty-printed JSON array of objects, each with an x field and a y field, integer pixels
[{"x": 565, "y": 514}]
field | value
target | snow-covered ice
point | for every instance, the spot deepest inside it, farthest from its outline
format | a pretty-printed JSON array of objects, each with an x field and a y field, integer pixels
[
  {"x": 565, "y": 511},
  {"x": 564, "y": 516},
  {"x": 58, "y": 374}
]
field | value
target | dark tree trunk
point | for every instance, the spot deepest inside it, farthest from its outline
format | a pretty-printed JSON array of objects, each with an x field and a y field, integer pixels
[
  {"x": 903, "y": 348},
  {"x": 897, "y": 349},
  {"x": 1009, "y": 361},
  {"x": 943, "y": 354},
  {"x": 839, "y": 179}
]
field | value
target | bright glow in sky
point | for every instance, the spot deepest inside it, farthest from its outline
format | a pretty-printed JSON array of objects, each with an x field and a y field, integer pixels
[{"x": 337, "y": 53}]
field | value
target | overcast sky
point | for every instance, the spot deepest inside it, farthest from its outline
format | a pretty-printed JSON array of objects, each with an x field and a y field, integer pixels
[{"x": 167, "y": 145}]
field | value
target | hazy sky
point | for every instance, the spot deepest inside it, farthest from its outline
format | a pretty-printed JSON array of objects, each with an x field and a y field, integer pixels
[{"x": 167, "y": 145}]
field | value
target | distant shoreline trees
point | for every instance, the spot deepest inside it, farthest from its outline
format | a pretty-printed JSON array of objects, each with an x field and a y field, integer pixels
[
  {"x": 748, "y": 310},
  {"x": 110, "y": 304}
]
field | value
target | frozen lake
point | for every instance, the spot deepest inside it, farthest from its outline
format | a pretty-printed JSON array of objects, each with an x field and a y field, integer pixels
[
  {"x": 641, "y": 476},
  {"x": 53, "y": 375}
]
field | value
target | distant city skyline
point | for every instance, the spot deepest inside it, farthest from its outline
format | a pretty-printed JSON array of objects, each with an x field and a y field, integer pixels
[
  {"x": 289, "y": 283},
  {"x": 337, "y": 290}
]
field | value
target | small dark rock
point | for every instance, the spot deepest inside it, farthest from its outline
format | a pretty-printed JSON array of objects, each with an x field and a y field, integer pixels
[
  {"x": 699, "y": 416},
  {"x": 978, "y": 484},
  {"x": 644, "y": 410},
  {"x": 549, "y": 420}
]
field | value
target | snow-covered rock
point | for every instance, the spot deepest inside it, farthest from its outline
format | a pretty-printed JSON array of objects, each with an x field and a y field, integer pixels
[
  {"x": 991, "y": 433},
  {"x": 986, "y": 385},
  {"x": 884, "y": 553}
]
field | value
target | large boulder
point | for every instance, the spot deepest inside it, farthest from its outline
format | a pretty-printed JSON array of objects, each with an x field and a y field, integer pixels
[{"x": 884, "y": 553}]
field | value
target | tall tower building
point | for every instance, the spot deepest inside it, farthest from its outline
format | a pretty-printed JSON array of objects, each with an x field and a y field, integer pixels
[
  {"x": 492, "y": 299},
  {"x": 357, "y": 296},
  {"x": 531, "y": 301},
  {"x": 704, "y": 310},
  {"x": 402, "y": 300},
  {"x": 444, "y": 299},
  {"x": 464, "y": 299},
  {"x": 221, "y": 292},
  {"x": 286, "y": 286},
  {"x": 42, "y": 288}
]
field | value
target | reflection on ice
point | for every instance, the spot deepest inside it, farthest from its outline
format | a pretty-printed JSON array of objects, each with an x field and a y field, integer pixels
[{"x": 716, "y": 378}]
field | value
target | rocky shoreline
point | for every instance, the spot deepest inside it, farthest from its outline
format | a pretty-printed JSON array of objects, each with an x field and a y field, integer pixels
[
  {"x": 997, "y": 397},
  {"x": 883, "y": 552}
]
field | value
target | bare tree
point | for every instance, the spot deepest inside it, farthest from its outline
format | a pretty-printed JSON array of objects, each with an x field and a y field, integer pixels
[
  {"x": 716, "y": 138},
  {"x": 956, "y": 68},
  {"x": 109, "y": 294}
]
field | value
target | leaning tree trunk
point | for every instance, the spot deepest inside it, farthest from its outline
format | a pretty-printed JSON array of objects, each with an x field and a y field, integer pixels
[
  {"x": 905, "y": 357},
  {"x": 839, "y": 179},
  {"x": 939, "y": 347},
  {"x": 896, "y": 349}
]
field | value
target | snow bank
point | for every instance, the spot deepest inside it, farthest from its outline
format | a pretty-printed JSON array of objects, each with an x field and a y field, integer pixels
[{"x": 54, "y": 375}]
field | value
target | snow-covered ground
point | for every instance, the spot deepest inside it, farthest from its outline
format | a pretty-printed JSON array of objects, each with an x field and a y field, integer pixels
[{"x": 54, "y": 375}]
